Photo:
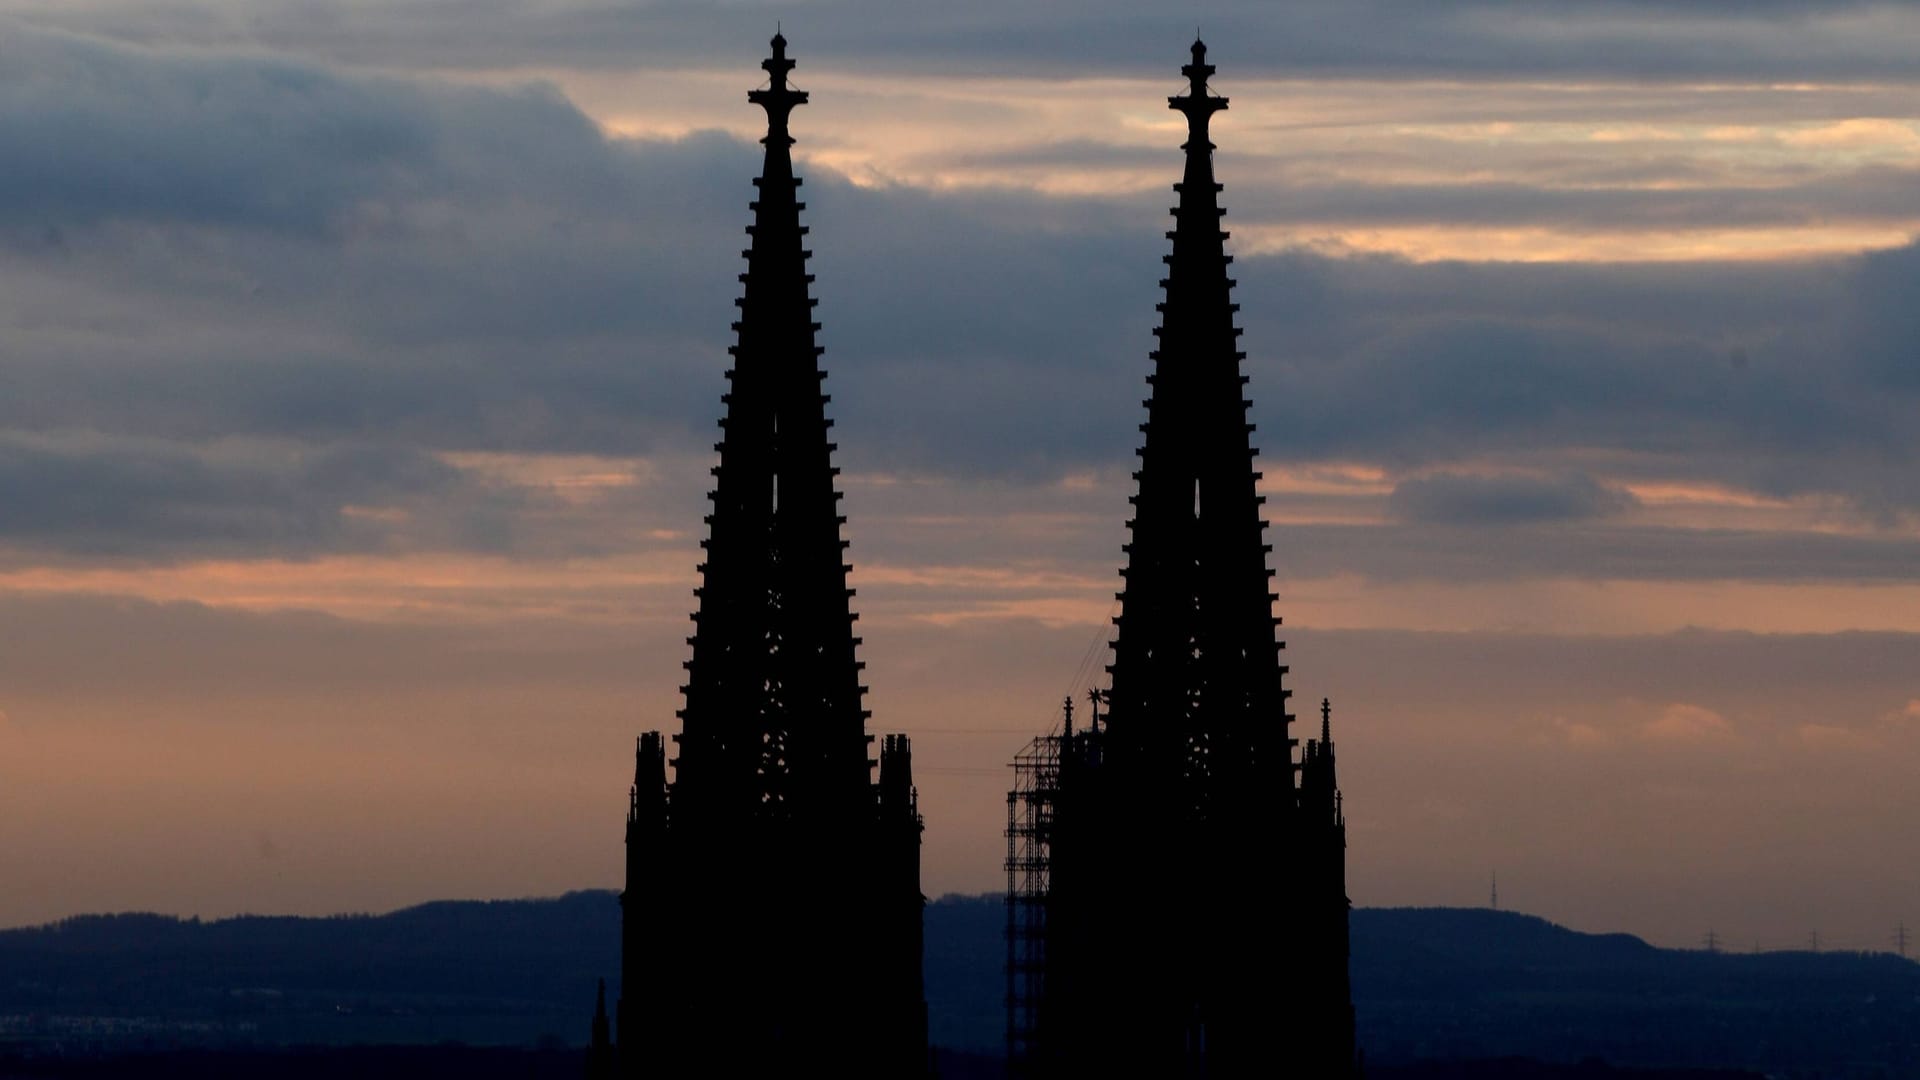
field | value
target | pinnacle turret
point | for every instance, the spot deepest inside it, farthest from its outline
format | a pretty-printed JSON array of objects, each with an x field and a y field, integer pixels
[{"x": 647, "y": 798}]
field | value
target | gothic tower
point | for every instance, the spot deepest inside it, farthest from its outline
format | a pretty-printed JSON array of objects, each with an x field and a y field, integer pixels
[
  {"x": 772, "y": 915},
  {"x": 1190, "y": 928}
]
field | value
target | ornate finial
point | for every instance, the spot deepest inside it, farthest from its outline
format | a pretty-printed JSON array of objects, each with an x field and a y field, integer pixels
[
  {"x": 1326, "y": 721},
  {"x": 1198, "y": 102},
  {"x": 778, "y": 98}
]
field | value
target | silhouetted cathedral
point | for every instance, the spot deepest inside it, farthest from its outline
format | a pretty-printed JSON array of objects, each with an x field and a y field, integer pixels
[
  {"x": 772, "y": 915},
  {"x": 1177, "y": 901}
]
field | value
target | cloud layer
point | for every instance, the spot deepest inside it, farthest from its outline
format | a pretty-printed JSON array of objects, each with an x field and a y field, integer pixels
[
  {"x": 1674, "y": 39},
  {"x": 364, "y": 309},
  {"x": 209, "y": 248}
]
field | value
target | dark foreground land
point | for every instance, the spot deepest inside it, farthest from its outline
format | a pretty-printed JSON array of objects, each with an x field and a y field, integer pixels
[
  {"x": 308, "y": 1063},
  {"x": 511, "y": 1063},
  {"x": 1441, "y": 994}
]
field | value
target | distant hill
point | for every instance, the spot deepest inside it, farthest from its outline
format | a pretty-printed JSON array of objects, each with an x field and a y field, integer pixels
[
  {"x": 1458, "y": 984},
  {"x": 1465, "y": 983},
  {"x": 501, "y": 972},
  {"x": 1430, "y": 984}
]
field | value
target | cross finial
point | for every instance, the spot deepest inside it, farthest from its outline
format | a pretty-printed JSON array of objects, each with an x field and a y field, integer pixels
[
  {"x": 778, "y": 98},
  {"x": 1198, "y": 102}
]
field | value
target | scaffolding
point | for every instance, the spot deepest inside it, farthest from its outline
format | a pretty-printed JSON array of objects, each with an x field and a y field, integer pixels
[
  {"x": 1033, "y": 808},
  {"x": 1030, "y": 818}
]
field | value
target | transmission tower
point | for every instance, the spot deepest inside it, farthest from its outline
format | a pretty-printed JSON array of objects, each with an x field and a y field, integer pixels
[
  {"x": 1900, "y": 938},
  {"x": 1712, "y": 942}
]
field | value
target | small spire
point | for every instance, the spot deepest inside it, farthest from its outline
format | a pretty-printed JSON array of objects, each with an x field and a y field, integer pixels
[
  {"x": 778, "y": 65},
  {"x": 1326, "y": 721},
  {"x": 1198, "y": 71}
]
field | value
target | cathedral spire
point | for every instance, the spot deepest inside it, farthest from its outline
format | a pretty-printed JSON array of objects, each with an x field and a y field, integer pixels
[
  {"x": 772, "y": 782},
  {"x": 773, "y": 723},
  {"x": 1195, "y": 655},
  {"x": 1195, "y": 754}
]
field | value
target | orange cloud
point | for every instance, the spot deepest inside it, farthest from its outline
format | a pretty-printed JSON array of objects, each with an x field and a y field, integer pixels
[
  {"x": 1682, "y": 723},
  {"x": 1832, "y": 737},
  {"x": 1579, "y": 735}
]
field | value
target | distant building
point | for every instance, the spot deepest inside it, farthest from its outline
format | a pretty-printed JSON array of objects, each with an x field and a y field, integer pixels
[
  {"x": 772, "y": 915},
  {"x": 1176, "y": 868}
]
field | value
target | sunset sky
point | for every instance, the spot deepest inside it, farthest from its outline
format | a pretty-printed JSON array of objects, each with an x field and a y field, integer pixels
[{"x": 360, "y": 363}]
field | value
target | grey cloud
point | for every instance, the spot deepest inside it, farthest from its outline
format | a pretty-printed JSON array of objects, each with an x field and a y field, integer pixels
[
  {"x": 506, "y": 279},
  {"x": 1456, "y": 38},
  {"x": 1789, "y": 676},
  {"x": 96, "y": 132},
  {"x": 1590, "y": 552},
  {"x": 1055, "y": 154},
  {"x": 1504, "y": 499},
  {"x": 103, "y": 497},
  {"x": 315, "y": 255},
  {"x": 1867, "y": 195},
  {"x": 510, "y": 287},
  {"x": 1752, "y": 376},
  {"x": 191, "y": 652}
]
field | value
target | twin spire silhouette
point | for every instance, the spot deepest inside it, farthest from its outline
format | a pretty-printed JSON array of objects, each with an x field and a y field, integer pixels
[{"x": 772, "y": 914}]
